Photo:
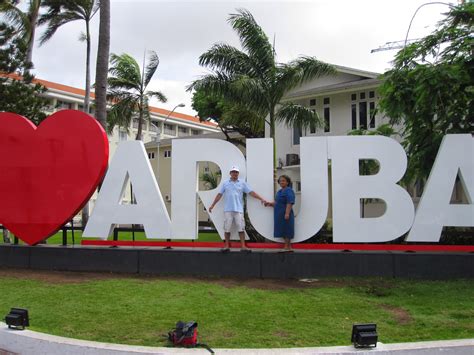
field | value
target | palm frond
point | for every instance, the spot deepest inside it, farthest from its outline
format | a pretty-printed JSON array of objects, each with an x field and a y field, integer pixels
[
  {"x": 215, "y": 83},
  {"x": 125, "y": 67},
  {"x": 223, "y": 57},
  {"x": 16, "y": 18},
  {"x": 211, "y": 179},
  {"x": 121, "y": 114},
  {"x": 117, "y": 83},
  {"x": 298, "y": 71},
  {"x": 157, "y": 95},
  {"x": 153, "y": 62},
  {"x": 294, "y": 115},
  {"x": 54, "y": 21},
  {"x": 254, "y": 40}
]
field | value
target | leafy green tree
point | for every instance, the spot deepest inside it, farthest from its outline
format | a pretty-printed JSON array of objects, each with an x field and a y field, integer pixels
[
  {"x": 102, "y": 65},
  {"x": 252, "y": 77},
  {"x": 23, "y": 23},
  {"x": 229, "y": 117},
  {"x": 430, "y": 89},
  {"x": 59, "y": 13},
  {"x": 128, "y": 91},
  {"x": 18, "y": 92}
]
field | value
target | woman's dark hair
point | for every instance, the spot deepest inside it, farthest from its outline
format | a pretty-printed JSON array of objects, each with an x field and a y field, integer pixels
[{"x": 287, "y": 178}]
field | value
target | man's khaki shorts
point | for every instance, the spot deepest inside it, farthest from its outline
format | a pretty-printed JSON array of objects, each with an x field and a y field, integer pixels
[{"x": 235, "y": 218}]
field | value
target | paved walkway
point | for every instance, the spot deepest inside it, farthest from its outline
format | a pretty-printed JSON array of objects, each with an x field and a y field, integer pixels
[{"x": 29, "y": 342}]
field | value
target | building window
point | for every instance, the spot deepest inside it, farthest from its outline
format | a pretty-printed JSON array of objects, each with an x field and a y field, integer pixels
[
  {"x": 206, "y": 169},
  {"x": 297, "y": 133},
  {"x": 298, "y": 186},
  {"x": 312, "y": 102},
  {"x": 135, "y": 123},
  {"x": 354, "y": 116},
  {"x": 327, "y": 115},
  {"x": 363, "y": 111},
  {"x": 151, "y": 155},
  {"x": 372, "y": 114},
  {"x": 353, "y": 97},
  {"x": 153, "y": 127},
  {"x": 63, "y": 105},
  {"x": 327, "y": 120},
  {"x": 312, "y": 128},
  {"x": 182, "y": 131},
  {"x": 123, "y": 135},
  {"x": 194, "y": 132},
  {"x": 167, "y": 154},
  {"x": 169, "y": 129},
  {"x": 363, "y": 115},
  {"x": 80, "y": 107}
]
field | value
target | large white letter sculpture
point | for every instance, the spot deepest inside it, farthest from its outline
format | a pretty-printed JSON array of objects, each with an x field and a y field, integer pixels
[
  {"x": 348, "y": 187},
  {"x": 184, "y": 173},
  {"x": 130, "y": 162},
  {"x": 456, "y": 155},
  {"x": 314, "y": 186}
]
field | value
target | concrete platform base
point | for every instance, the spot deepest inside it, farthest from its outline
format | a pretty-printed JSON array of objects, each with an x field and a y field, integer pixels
[
  {"x": 261, "y": 263},
  {"x": 28, "y": 342}
]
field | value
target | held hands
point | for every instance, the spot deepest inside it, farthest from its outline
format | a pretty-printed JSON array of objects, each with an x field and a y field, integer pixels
[
  {"x": 269, "y": 204},
  {"x": 211, "y": 208}
]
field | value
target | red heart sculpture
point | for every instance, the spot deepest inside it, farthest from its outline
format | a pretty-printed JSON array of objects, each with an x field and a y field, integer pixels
[{"x": 49, "y": 172}]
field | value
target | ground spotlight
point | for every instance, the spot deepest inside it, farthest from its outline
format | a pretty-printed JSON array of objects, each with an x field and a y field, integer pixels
[
  {"x": 364, "y": 335},
  {"x": 17, "y": 318}
]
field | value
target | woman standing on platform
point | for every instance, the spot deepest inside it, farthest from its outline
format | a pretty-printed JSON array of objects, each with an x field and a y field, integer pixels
[{"x": 284, "y": 219}]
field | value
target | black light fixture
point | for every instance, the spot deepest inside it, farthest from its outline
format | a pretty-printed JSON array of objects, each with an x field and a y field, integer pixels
[
  {"x": 17, "y": 318},
  {"x": 364, "y": 335}
]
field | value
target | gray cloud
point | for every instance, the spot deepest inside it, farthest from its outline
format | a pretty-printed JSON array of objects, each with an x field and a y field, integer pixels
[{"x": 341, "y": 32}]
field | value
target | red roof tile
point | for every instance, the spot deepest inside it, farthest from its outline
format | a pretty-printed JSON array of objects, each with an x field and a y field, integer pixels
[{"x": 77, "y": 91}]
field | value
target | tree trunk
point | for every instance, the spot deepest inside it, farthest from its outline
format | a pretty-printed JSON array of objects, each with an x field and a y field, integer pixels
[
  {"x": 272, "y": 136},
  {"x": 102, "y": 66},
  {"x": 88, "y": 69},
  {"x": 33, "y": 21},
  {"x": 85, "y": 209},
  {"x": 140, "y": 123}
]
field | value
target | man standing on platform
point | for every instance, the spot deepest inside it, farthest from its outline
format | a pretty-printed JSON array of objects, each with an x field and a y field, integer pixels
[{"x": 233, "y": 192}]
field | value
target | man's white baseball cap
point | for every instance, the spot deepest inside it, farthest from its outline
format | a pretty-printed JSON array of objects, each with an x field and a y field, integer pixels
[{"x": 234, "y": 168}]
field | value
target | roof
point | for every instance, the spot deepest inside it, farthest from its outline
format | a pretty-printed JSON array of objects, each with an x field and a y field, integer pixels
[
  {"x": 76, "y": 91},
  {"x": 334, "y": 88},
  {"x": 347, "y": 70},
  {"x": 214, "y": 135}
]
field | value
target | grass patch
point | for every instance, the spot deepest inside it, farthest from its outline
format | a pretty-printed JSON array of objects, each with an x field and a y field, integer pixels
[
  {"x": 240, "y": 314},
  {"x": 57, "y": 238}
]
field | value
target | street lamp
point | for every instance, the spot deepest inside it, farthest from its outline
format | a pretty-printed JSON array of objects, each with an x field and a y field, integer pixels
[{"x": 169, "y": 114}]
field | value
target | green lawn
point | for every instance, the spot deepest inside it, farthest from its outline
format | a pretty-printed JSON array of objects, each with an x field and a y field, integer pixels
[
  {"x": 239, "y": 314},
  {"x": 139, "y": 236}
]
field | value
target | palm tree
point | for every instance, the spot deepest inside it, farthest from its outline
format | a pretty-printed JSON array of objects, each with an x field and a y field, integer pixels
[
  {"x": 61, "y": 12},
  {"x": 102, "y": 66},
  {"x": 128, "y": 91},
  {"x": 252, "y": 76},
  {"x": 211, "y": 179},
  {"x": 24, "y": 23}
]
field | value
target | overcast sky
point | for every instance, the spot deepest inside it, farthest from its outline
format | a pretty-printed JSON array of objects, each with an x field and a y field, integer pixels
[{"x": 340, "y": 32}]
